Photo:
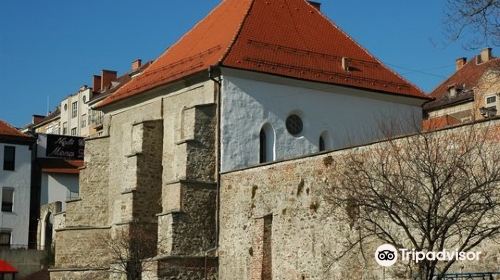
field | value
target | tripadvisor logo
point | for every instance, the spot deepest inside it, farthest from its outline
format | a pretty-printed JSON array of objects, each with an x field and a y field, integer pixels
[{"x": 387, "y": 255}]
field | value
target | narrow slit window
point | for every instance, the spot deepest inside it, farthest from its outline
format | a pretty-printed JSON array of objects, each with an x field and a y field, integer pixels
[
  {"x": 322, "y": 144},
  {"x": 7, "y": 200},
  {"x": 266, "y": 144},
  {"x": 5, "y": 239},
  {"x": 263, "y": 146},
  {"x": 9, "y": 158}
]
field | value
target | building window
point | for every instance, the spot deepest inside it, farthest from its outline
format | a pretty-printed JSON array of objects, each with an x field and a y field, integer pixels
[
  {"x": 9, "y": 158},
  {"x": 267, "y": 249},
  {"x": 324, "y": 141},
  {"x": 5, "y": 239},
  {"x": 491, "y": 100},
  {"x": 74, "y": 109},
  {"x": 65, "y": 128},
  {"x": 266, "y": 145},
  {"x": 84, "y": 120},
  {"x": 65, "y": 107},
  {"x": 322, "y": 144},
  {"x": 73, "y": 131},
  {"x": 263, "y": 141},
  {"x": 294, "y": 125},
  {"x": 7, "y": 199},
  {"x": 84, "y": 98}
]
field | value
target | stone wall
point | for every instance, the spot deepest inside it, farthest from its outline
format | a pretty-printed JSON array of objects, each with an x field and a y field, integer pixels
[
  {"x": 91, "y": 209},
  {"x": 153, "y": 171},
  {"x": 307, "y": 235}
]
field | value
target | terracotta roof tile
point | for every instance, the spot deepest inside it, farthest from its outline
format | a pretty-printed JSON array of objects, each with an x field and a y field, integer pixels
[
  {"x": 49, "y": 165},
  {"x": 9, "y": 131},
  {"x": 467, "y": 77},
  {"x": 439, "y": 122},
  {"x": 281, "y": 37}
]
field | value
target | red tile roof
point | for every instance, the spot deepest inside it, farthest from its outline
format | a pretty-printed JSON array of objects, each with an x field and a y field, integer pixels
[
  {"x": 439, "y": 122},
  {"x": 9, "y": 131},
  {"x": 282, "y": 37},
  {"x": 61, "y": 166},
  {"x": 466, "y": 78}
]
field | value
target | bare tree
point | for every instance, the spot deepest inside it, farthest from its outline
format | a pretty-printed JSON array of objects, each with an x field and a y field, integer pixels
[
  {"x": 429, "y": 192},
  {"x": 128, "y": 247},
  {"x": 479, "y": 19}
]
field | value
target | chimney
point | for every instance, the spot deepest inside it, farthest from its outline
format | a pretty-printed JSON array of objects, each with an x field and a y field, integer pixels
[
  {"x": 485, "y": 55},
  {"x": 37, "y": 119},
  {"x": 460, "y": 62},
  {"x": 136, "y": 64},
  {"x": 315, "y": 4},
  {"x": 106, "y": 78},
  {"x": 96, "y": 83}
]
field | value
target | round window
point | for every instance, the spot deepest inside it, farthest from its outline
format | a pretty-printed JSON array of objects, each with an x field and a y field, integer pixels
[{"x": 294, "y": 125}]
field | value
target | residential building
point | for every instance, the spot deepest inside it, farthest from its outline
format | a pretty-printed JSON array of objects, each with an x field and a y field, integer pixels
[
  {"x": 49, "y": 124},
  {"x": 100, "y": 91},
  {"x": 238, "y": 90},
  {"x": 471, "y": 93},
  {"x": 57, "y": 167},
  {"x": 15, "y": 186}
]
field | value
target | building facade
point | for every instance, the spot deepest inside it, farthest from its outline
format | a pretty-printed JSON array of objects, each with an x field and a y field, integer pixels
[
  {"x": 15, "y": 184},
  {"x": 471, "y": 93},
  {"x": 213, "y": 104}
]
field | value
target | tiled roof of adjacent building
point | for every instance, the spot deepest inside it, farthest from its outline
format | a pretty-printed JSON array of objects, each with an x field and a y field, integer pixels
[
  {"x": 6, "y": 130},
  {"x": 118, "y": 83},
  {"x": 52, "y": 165},
  {"x": 464, "y": 80},
  {"x": 439, "y": 122},
  {"x": 288, "y": 38}
]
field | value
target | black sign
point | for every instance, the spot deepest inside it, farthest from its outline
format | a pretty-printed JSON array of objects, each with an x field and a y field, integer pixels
[{"x": 67, "y": 147}]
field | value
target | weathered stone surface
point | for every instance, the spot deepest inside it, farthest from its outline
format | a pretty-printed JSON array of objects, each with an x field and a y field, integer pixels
[
  {"x": 157, "y": 153},
  {"x": 76, "y": 248},
  {"x": 92, "y": 207},
  {"x": 306, "y": 236}
]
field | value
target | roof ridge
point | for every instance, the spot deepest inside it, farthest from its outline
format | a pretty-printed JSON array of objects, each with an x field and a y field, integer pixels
[
  {"x": 238, "y": 32},
  {"x": 368, "y": 52}
]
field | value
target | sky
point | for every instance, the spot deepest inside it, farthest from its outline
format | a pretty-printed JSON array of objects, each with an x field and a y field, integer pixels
[{"x": 48, "y": 49}]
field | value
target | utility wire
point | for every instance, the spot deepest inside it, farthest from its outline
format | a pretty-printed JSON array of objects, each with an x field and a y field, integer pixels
[{"x": 420, "y": 71}]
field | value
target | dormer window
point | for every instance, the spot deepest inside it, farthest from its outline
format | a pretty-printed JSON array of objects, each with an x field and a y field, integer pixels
[{"x": 452, "y": 91}]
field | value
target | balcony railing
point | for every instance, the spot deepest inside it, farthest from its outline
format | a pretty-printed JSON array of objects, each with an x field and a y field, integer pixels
[{"x": 471, "y": 276}]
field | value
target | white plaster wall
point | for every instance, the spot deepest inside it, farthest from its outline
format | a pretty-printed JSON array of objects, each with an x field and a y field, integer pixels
[
  {"x": 57, "y": 187},
  {"x": 348, "y": 116},
  {"x": 20, "y": 180},
  {"x": 83, "y": 109}
]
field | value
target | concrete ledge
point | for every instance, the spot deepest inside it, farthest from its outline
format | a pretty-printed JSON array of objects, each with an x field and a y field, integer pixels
[
  {"x": 128, "y": 191},
  {"x": 175, "y": 211},
  {"x": 78, "y": 269},
  {"x": 186, "y": 181},
  {"x": 133, "y": 154},
  {"x": 200, "y": 106},
  {"x": 73, "y": 200},
  {"x": 186, "y": 141},
  {"x": 82, "y": 228},
  {"x": 96, "y": 137}
]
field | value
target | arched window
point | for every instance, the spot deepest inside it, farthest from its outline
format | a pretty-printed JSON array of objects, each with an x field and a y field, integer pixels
[
  {"x": 324, "y": 141},
  {"x": 266, "y": 145},
  {"x": 263, "y": 142},
  {"x": 322, "y": 144}
]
